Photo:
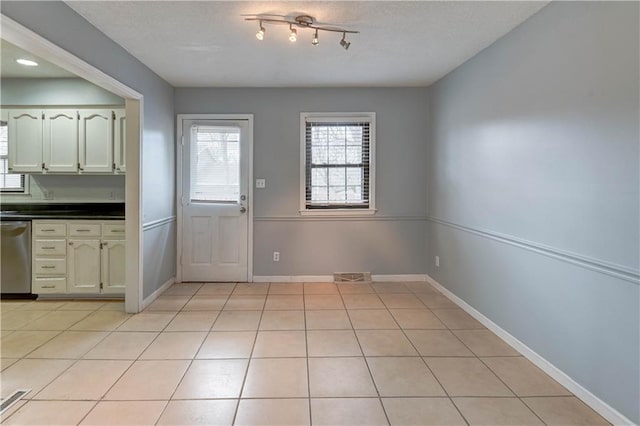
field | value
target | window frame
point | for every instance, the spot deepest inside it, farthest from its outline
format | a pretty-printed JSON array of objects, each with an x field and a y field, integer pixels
[
  {"x": 24, "y": 178},
  {"x": 332, "y": 117}
]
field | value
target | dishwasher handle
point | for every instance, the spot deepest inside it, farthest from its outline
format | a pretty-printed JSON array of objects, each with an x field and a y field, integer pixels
[{"x": 13, "y": 229}]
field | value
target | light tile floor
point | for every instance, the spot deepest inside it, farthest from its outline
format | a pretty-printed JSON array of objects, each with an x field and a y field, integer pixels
[{"x": 272, "y": 354}]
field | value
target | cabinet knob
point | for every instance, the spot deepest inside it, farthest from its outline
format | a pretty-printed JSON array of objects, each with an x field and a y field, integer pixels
[{"x": 70, "y": 243}]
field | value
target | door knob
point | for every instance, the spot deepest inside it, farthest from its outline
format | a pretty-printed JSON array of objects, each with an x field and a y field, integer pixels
[{"x": 242, "y": 209}]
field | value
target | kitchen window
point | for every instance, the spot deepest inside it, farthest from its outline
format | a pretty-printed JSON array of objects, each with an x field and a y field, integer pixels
[
  {"x": 337, "y": 164},
  {"x": 10, "y": 183}
]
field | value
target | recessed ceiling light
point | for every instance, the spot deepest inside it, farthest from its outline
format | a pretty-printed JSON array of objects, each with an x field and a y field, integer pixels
[{"x": 27, "y": 62}]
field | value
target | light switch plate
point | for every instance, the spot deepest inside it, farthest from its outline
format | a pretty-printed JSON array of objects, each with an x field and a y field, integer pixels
[{"x": 261, "y": 183}]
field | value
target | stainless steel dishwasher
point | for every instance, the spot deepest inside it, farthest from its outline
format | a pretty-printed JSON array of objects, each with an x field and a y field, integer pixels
[{"x": 15, "y": 258}]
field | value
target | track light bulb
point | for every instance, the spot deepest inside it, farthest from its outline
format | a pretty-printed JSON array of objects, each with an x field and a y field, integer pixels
[
  {"x": 293, "y": 36},
  {"x": 315, "y": 41},
  {"x": 344, "y": 43},
  {"x": 260, "y": 33}
]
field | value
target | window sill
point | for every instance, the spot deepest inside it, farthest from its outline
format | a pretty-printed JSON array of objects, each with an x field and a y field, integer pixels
[{"x": 339, "y": 212}]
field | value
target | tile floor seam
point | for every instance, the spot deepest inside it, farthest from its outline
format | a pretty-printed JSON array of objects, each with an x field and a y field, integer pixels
[
  {"x": 430, "y": 370},
  {"x": 246, "y": 371},
  {"x": 306, "y": 345},
  {"x": 373, "y": 380}
]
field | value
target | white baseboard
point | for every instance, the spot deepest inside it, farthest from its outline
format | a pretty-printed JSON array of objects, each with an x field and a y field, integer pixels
[
  {"x": 400, "y": 278},
  {"x": 329, "y": 278},
  {"x": 153, "y": 296},
  {"x": 604, "y": 409}
]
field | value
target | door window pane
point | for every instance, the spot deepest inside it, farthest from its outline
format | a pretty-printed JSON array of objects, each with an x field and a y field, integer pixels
[{"x": 215, "y": 163}]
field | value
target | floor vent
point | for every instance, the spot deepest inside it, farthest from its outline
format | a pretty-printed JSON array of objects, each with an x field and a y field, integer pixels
[
  {"x": 12, "y": 399},
  {"x": 352, "y": 277}
]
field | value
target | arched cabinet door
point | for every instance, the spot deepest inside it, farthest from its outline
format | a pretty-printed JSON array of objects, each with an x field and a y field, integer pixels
[
  {"x": 83, "y": 266},
  {"x": 60, "y": 141},
  {"x": 25, "y": 140},
  {"x": 96, "y": 141}
]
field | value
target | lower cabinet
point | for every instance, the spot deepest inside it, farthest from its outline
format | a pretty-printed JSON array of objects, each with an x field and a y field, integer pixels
[
  {"x": 78, "y": 257},
  {"x": 83, "y": 266}
]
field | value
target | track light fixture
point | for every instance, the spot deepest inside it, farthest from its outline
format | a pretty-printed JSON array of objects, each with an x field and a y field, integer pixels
[
  {"x": 260, "y": 33},
  {"x": 301, "y": 21},
  {"x": 344, "y": 43},
  {"x": 293, "y": 35}
]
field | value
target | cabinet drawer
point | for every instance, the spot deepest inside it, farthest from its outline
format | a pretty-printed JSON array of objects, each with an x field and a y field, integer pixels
[
  {"x": 113, "y": 230},
  {"x": 49, "y": 285},
  {"x": 84, "y": 229},
  {"x": 51, "y": 266},
  {"x": 49, "y": 229},
  {"x": 50, "y": 247}
]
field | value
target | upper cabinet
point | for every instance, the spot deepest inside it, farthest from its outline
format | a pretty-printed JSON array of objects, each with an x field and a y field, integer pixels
[
  {"x": 25, "y": 140},
  {"x": 119, "y": 141},
  {"x": 67, "y": 141},
  {"x": 60, "y": 145},
  {"x": 96, "y": 141}
]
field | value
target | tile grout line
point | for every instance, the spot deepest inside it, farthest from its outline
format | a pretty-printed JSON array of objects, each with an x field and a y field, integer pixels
[
  {"x": 429, "y": 368},
  {"x": 375, "y": 385},
  {"x": 306, "y": 345},
  {"x": 253, "y": 347},
  {"x": 186, "y": 370}
]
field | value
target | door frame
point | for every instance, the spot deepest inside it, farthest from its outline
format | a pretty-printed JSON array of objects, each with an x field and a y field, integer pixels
[
  {"x": 23, "y": 37},
  {"x": 179, "y": 193}
]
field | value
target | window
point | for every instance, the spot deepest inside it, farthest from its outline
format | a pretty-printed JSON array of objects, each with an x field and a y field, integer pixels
[
  {"x": 337, "y": 163},
  {"x": 215, "y": 163},
  {"x": 14, "y": 183}
]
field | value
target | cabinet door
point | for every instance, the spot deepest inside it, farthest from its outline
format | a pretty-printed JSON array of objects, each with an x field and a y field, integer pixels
[
  {"x": 119, "y": 141},
  {"x": 61, "y": 141},
  {"x": 113, "y": 276},
  {"x": 96, "y": 141},
  {"x": 83, "y": 269},
  {"x": 25, "y": 141}
]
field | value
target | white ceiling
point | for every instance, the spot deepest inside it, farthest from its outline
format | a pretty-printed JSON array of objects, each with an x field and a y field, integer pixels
[
  {"x": 9, "y": 68},
  {"x": 209, "y": 44}
]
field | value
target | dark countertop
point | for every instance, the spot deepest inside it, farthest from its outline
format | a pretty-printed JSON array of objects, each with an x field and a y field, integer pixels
[{"x": 84, "y": 211}]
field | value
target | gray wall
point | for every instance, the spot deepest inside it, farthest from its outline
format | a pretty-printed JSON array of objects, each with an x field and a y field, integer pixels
[
  {"x": 54, "y": 91},
  {"x": 392, "y": 241},
  {"x": 58, "y": 23},
  {"x": 534, "y": 184}
]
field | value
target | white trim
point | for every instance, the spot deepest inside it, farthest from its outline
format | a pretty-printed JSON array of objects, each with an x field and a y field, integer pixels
[
  {"x": 329, "y": 278},
  {"x": 618, "y": 271},
  {"x": 32, "y": 42},
  {"x": 157, "y": 223},
  {"x": 179, "y": 218},
  {"x": 338, "y": 219},
  {"x": 369, "y": 117},
  {"x": 153, "y": 296},
  {"x": 604, "y": 409}
]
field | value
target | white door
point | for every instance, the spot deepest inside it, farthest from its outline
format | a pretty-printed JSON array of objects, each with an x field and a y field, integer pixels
[
  {"x": 83, "y": 269},
  {"x": 112, "y": 267},
  {"x": 96, "y": 141},
  {"x": 61, "y": 141},
  {"x": 25, "y": 141},
  {"x": 215, "y": 191}
]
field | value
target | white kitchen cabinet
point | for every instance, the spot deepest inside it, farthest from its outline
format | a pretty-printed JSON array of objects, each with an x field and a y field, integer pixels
[
  {"x": 25, "y": 140},
  {"x": 96, "y": 141},
  {"x": 119, "y": 141},
  {"x": 83, "y": 266},
  {"x": 60, "y": 142},
  {"x": 112, "y": 266},
  {"x": 78, "y": 256}
]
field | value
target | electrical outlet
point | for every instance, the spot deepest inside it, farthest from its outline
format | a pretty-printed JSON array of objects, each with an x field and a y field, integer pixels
[
  {"x": 112, "y": 195},
  {"x": 437, "y": 261},
  {"x": 261, "y": 183},
  {"x": 276, "y": 256},
  {"x": 47, "y": 194}
]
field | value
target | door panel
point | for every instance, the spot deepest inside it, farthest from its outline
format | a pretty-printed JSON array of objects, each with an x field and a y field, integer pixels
[
  {"x": 215, "y": 200},
  {"x": 25, "y": 141},
  {"x": 113, "y": 274},
  {"x": 96, "y": 141},
  {"x": 61, "y": 141},
  {"x": 83, "y": 268}
]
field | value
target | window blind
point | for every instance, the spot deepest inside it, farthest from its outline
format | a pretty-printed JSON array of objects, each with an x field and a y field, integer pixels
[
  {"x": 337, "y": 164},
  {"x": 8, "y": 182}
]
